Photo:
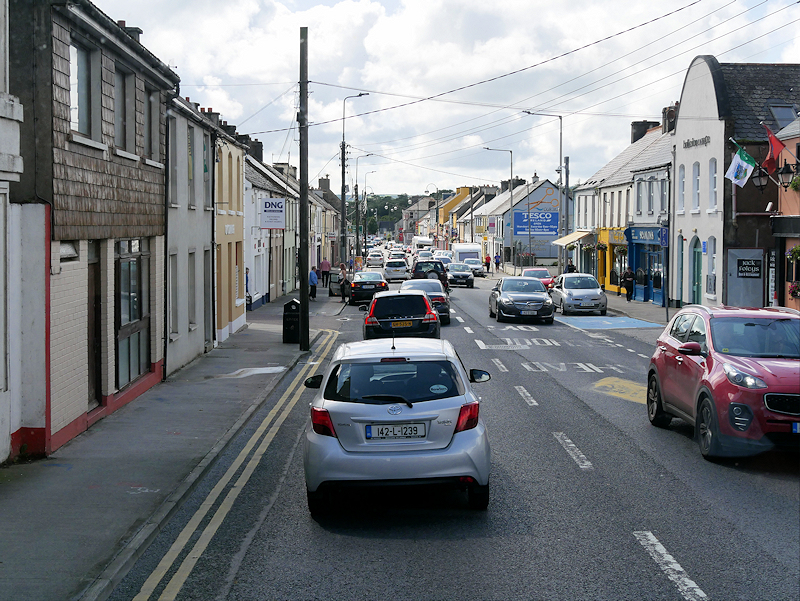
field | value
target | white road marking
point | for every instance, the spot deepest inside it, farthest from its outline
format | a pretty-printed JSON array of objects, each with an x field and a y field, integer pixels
[
  {"x": 573, "y": 451},
  {"x": 686, "y": 586},
  {"x": 526, "y": 396},
  {"x": 459, "y": 319},
  {"x": 620, "y": 344},
  {"x": 630, "y": 350},
  {"x": 468, "y": 330},
  {"x": 643, "y": 356},
  {"x": 499, "y": 365},
  {"x": 499, "y": 347}
]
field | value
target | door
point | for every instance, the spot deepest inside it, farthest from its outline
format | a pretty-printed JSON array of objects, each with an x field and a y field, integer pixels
[
  {"x": 697, "y": 272},
  {"x": 93, "y": 335}
]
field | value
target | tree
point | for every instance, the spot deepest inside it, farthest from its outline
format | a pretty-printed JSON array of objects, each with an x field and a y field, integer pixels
[{"x": 372, "y": 226}]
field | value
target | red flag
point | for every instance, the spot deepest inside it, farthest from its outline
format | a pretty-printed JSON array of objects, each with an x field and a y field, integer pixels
[{"x": 775, "y": 148}]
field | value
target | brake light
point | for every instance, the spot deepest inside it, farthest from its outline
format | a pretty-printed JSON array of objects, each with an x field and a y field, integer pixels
[
  {"x": 321, "y": 422},
  {"x": 431, "y": 315},
  {"x": 371, "y": 320},
  {"x": 467, "y": 417}
]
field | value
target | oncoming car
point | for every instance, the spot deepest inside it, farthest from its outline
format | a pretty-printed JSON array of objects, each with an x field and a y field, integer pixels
[
  {"x": 539, "y": 273},
  {"x": 395, "y": 412},
  {"x": 460, "y": 274},
  {"x": 578, "y": 293},
  {"x": 733, "y": 374},
  {"x": 477, "y": 267}
]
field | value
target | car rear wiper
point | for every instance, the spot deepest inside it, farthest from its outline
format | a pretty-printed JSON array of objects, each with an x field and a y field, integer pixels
[{"x": 389, "y": 398}]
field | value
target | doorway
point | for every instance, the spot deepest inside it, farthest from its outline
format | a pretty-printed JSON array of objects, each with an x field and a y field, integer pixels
[{"x": 697, "y": 272}]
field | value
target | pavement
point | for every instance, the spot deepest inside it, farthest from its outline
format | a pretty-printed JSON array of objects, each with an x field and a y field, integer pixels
[{"x": 74, "y": 523}]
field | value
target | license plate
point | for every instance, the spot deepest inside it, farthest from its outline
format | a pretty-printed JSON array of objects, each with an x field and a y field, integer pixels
[
  {"x": 528, "y": 312},
  {"x": 402, "y": 324},
  {"x": 395, "y": 431},
  {"x": 587, "y": 304},
  {"x": 368, "y": 287},
  {"x": 796, "y": 428}
]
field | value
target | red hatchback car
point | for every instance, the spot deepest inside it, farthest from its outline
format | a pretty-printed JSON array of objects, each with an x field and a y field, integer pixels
[{"x": 732, "y": 373}]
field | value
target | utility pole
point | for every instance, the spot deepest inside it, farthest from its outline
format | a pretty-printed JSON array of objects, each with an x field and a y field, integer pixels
[
  {"x": 358, "y": 240},
  {"x": 302, "y": 118},
  {"x": 343, "y": 245},
  {"x": 566, "y": 205}
]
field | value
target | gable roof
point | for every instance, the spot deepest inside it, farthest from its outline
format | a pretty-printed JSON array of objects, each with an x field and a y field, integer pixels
[{"x": 617, "y": 170}]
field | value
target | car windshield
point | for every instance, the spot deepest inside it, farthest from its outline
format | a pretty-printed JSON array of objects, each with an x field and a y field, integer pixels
[
  {"x": 367, "y": 275},
  {"x": 427, "y": 285},
  {"x": 396, "y": 264},
  {"x": 750, "y": 337},
  {"x": 472, "y": 262},
  {"x": 581, "y": 283},
  {"x": 459, "y": 267},
  {"x": 522, "y": 286},
  {"x": 429, "y": 265},
  {"x": 387, "y": 382},
  {"x": 409, "y": 305},
  {"x": 536, "y": 273}
]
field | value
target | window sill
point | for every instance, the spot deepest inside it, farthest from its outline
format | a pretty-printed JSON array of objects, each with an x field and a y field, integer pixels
[
  {"x": 153, "y": 163},
  {"x": 222, "y": 212},
  {"x": 192, "y": 207},
  {"x": 173, "y": 337},
  {"x": 240, "y": 302},
  {"x": 695, "y": 211},
  {"x": 239, "y": 213},
  {"x": 711, "y": 297},
  {"x": 174, "y": 205},
  {"x": 231, "y": 212},
  {"x": 127, "y": 155},
  {"x": 680, "y": 212},
  {"x": 78, "y": 139},
  {"x": 649, "y": 212},
  {"x": 712, "y": 211},
  {"x": 192, "y": 327},
  {"x": 208, "y": 208}
]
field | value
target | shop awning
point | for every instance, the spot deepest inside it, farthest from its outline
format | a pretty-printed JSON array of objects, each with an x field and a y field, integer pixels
[{"x": 571, "y": 238}]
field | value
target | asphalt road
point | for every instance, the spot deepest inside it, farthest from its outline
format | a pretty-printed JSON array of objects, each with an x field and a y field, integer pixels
[{"x": 588, "y": 500}]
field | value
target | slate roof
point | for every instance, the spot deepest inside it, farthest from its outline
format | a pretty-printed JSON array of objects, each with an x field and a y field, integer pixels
[
  {"x": 751, "y": 89},
  {"x": 617, "y": 169},
  {"x": 258, "y": 180},
  {"x": 790, "y": 131}
]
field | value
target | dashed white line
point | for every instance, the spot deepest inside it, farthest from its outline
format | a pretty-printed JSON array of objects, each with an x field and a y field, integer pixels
[
  {"x": 468, "y": 330},
  {"x": 526, "y": 396},
  {"x": 643, "y": 356},
  {"x": 620, "y": 345},
  {"x": 459, "y": 319},
  {"x": 686, "y": 586},
  {"x": 499, "y": 365},
  {"x": 573, "y": 451}
]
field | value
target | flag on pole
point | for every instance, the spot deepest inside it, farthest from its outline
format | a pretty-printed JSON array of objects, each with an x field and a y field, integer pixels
[
  {"x": 741, "y": 168},
  {"x": 775, "y": 147}
]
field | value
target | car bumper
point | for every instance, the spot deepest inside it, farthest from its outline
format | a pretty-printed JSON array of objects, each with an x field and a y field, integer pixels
[
  {"x": 325, "y": 462},
  {"x": 430, "y": 331},
  {"x": 514, "y": 313},
  {"x": 577, "y": 307},
  {"x": 462, "y": 281}
]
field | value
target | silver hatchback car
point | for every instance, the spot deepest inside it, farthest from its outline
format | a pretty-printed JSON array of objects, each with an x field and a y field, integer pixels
[
  {"x": 578, "y": 293},
  {"x": 392, "y": 412}
]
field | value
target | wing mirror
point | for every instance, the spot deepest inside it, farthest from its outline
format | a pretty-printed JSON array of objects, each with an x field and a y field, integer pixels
[
  {"x": 690, "y": 348},
  {"x": 362, "y": 307},
  {"x": 313, "y": 381},
  {"x": 477, "y": 375}
]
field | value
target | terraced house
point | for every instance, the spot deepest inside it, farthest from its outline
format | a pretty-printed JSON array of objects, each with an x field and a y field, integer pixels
[{"x": 94, "y": 149}]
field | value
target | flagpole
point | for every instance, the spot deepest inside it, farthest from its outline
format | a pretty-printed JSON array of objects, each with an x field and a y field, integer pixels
[
  {"x": 786, "y": 148},
  {"x": 774, "y": 181}
]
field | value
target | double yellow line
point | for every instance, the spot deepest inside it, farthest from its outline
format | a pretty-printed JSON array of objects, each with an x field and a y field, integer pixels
[{"x": 284, "y": 405}]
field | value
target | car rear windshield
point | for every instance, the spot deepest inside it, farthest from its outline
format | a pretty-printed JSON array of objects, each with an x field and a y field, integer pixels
[
  {"x": 425, "y": 266},
  {"x": 580, "y": 283},
  {"x": 748, "y": 337},
  {"x": 399, "y": 263},
  {"x": 393, "y": 382},
  {"x": 427, "y": 285},
  {"x": 523, "y": 286},
  {"x": 399, "y": 306},
  {"x": 536, "y": 273}
]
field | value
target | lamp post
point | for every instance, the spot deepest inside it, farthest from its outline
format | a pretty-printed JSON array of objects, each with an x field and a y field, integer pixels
[
  {"x": 365, "y": 207},
  {"x": 355, "y": 196},
  {"x": 437, "y": 210},
  {"x": 343, "y": 246},
  {"x": 510, "y": 204}
]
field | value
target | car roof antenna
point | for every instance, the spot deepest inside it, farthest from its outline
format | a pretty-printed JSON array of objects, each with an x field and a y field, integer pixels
[{"x": 393, "y": 347}]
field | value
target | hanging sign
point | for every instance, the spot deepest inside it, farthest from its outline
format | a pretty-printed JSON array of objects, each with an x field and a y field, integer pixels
[{"x": 273, "y": 213}]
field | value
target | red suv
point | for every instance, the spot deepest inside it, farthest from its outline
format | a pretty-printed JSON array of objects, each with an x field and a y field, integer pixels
[{"x": 732, "y": 373}]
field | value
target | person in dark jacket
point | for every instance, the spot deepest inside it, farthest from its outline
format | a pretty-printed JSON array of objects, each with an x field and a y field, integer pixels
[
  {"x": 570, "y": 267},
  {"x": 628, "y": 280}
]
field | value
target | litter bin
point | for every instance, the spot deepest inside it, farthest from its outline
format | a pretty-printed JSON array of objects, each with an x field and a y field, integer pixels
[{"x": 291, "y": 321}]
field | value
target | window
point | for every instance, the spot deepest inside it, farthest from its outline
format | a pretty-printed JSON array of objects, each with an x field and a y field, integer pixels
[
  {"x": 192, "y": 290},
  {"x": 664, "y": 190},
  {"x": 132, "y": 302},
  {"x": 784, "y": 114},
  {"x": 190, "y": 159},
  {"x": 603, "y": 211},
  {"x": 681, "y": 189},
  {"x": 639, "y": 192},
  {"x": 150, "y": 128},
  {"x": 173, "y": 296},
  {"x": 124, "y": 110},
  {"x": 80, "y": 90},
  {"x": 651, "y": 196},
  {"x": 627, "y": 204},
  {"x": 696, "y": 187},
  {"x": 172, "y": 127},
  {"x": 207, "y": 171},
  {"x": 611, "y": 208},
  {"x": 712, "y": 184},
  {"x": 711, "y": 277}
]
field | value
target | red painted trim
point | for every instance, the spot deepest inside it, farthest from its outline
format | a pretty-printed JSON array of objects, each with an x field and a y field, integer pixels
[
  {"x": 48, "y": 442},
  {"x": 31, "y": 441},
  {"x": 67, "y": 433}
]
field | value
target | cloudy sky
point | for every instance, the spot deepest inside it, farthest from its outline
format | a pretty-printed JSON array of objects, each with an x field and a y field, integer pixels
[{"x": 447, "y": 78}]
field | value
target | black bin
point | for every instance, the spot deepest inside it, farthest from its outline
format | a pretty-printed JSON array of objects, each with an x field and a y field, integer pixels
[{"x": 291, "y": 321}]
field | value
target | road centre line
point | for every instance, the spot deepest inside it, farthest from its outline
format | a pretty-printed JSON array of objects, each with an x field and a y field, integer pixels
[
  {"x": 500, "y": 365},
  {"x": 459, "y": 319},
  {"x": 288, "y": 400},
  {"x": 643, "y": 356},
  {"x": 468, "y": 330},
  {"x": 686, "y": 586},
  {"x": 526, "y": 396},
  {"x": 630, "y": 350},
  {"x": 573, "y": 451}
]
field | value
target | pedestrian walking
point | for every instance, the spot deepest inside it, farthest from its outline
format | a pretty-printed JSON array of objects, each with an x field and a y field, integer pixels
[
  {"x": 325, "y": 272},
  {"x": 488, "y": 261},
  {"x": 312, "y": 283},
  {"x": 343, "y": 283},
  {"x": 628, "y": 279},
  {"x": 497, "y": 262},
  {"x": 570, "y": 267}
]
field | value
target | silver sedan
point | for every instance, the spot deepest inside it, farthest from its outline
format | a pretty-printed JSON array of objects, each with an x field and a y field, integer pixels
[
  {"x": 578, "y": 293},
  {"x": 396, "y": 411}
]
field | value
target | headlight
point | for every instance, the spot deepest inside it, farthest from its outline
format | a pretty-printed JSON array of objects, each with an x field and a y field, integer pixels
[
  {"x": 548, "y": 301},
  {"x": 741, "y": 378}
]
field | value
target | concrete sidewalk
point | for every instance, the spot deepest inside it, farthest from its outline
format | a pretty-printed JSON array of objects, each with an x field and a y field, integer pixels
[{"x": 74, "y": 523}]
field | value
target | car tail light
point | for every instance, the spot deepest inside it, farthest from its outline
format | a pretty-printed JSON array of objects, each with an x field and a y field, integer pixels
[
  {"x": 371, "y": 320},
  {"x": 431, "y": 314},
  {"x": 321, "y": 422},
  {"x": 467, "y": 417}
]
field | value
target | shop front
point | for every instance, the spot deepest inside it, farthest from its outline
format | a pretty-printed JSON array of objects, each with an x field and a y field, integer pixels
[
  {"x": 647, "y": 247},
  {"x": 615, "y": 258}
]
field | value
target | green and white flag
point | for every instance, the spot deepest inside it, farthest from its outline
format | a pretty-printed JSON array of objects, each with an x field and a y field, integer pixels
[{"x": 741, "y": 168}]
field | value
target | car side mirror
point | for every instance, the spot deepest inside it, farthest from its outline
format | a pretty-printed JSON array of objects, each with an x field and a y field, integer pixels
[
  {"x": 690, "y": 348},
  {"x": 362, "y": 307},
  {"x": 495, "y": 289},
  {"x": 477, "y": 375},
  {"x": 603, "y": 287},
  {"x": 313, "y": 381}
]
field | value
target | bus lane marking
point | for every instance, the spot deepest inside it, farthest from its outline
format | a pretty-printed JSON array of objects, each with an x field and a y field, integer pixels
[
  {"x": 623, "y": 389},
  {"x": 500, "y": 365},
  {"x": 686, "y": 586},
  {"x": 573, "y": 451},
  {"x": 526, "y": 396}
]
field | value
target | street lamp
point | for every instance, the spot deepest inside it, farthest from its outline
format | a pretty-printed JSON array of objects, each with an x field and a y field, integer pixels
[
  {"x": 355, "y": 196},
  {"x": 786, "y": 174},
  {"x": 343, "y": 246},
  {"x": 365, "y": 207},
  {"x": 437, "y": 210},
  {"x": 510, "y": 204}
]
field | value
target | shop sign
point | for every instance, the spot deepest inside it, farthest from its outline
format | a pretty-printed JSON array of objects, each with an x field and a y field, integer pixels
[
  {"x": 705, "y": 141},
  {"x": 748, "y": 268},
  {"x": 617, "y": 237},
  {"x": 273, "y": 213},
  {"x": 644, "y": 235},
  {"x": 542, "y": 223}
]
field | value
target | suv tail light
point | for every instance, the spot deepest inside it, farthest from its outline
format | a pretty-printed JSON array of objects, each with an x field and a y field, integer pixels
[
  {"x": 371, "y": 320},
  {"x": 321, "y": 422},
  {"x": 467, "y": 417},
  {"x": 431, "y": 315}
]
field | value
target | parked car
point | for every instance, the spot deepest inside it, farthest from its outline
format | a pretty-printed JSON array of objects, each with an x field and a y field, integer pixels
[
  {"x": 578, "y": 293},
  {"x": 520, "y": 298},
  {"x": 540, "y": 273},
  {"x": 396, "y": 412},
  {"x": 477, "y": 267},
  {"x": 436, "y": 293},
  {"x": 365, "y": 285},
  {"x": 733, "y": 374},
  {"x": 375, "y": 259},
  {"x": 430, "y": 269},
  {"x": 401, "y": 313},
  {"x": 396, "y": 269},
  {"x": 460, "y": 274}
]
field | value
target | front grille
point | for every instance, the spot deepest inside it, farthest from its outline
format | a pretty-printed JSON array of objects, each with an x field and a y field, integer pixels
[
  {"x": 783, "y": 403},
  {"x": 528, "y": 306}
]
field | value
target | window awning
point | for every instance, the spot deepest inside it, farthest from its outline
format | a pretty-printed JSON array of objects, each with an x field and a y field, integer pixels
[{"x": 571, "y": 238}]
